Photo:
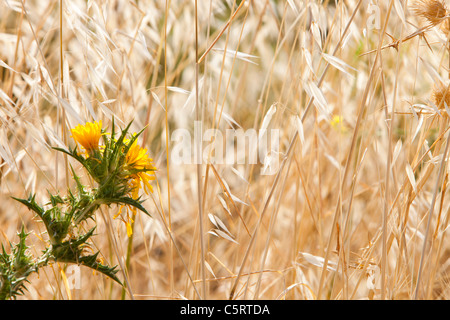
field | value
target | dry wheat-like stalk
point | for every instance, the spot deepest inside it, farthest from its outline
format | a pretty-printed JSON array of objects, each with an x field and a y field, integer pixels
[{"x": 362, "y": 118}]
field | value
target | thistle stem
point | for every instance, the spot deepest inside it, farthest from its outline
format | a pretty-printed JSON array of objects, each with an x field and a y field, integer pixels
[{"x": 129, "y": 249}]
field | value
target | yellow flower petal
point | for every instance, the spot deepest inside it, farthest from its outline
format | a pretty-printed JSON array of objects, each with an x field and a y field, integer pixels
[
  {"x": 129, "y": 230},
  {"x": 88, "y": 135},
  {"x": 138, "y": 159}
]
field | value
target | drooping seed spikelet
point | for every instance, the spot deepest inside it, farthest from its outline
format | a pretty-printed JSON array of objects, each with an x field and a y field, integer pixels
[{"x": 434, "y": 11}]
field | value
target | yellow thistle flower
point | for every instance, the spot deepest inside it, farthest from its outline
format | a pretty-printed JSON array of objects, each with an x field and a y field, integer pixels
[
  {"x": 88, "y": 135},
  {"x": 138, "y": 159}
]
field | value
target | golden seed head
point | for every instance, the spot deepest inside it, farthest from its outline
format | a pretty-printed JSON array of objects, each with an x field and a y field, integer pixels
[
  {"x": 432, "y": 10},
  {"x": 441, "y": 92}
]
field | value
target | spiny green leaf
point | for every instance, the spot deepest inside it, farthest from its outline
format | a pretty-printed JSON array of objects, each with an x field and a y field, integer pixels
[
  {"x": 132, "y": 202},
  {"x": 74, "y": 154},
  {"x": 92, "y": 262},
  {"x": 132, "y": 140},
  {"x": 31, "y": 204}
]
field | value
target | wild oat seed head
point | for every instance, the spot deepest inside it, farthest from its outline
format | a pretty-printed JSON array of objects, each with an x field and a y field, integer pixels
[{"x": 432, "y": 10}]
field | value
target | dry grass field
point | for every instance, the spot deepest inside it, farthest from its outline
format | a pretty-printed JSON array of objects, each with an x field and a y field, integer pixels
[{"x": 355, "y": 204}]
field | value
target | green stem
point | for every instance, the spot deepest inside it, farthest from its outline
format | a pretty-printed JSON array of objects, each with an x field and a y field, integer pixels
[{"x": 129, "y": 249}]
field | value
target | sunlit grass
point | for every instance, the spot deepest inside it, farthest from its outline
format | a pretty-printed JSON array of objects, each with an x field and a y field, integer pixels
[{"x": 356, "y": 88}]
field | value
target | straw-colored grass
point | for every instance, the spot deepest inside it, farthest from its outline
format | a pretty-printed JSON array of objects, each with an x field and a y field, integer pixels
[{"x": 359, "y": 208}]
